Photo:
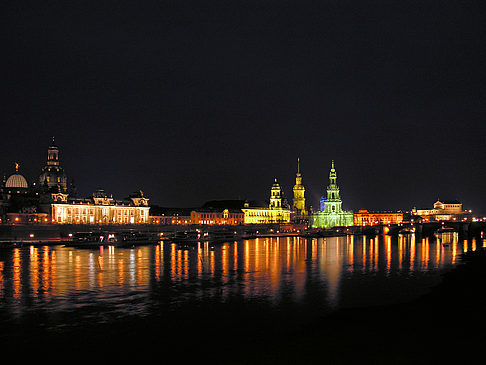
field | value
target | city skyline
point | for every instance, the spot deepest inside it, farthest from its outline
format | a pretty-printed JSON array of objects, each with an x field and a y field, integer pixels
[
  {"x": 195, "y": 102},
  {"x": 288, "y": 198}
]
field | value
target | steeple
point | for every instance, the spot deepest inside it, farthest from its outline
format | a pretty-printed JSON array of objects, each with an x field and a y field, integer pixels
[
  {"x": 332, "y": 174},
  {"x": 299, "y": 191},
  {"x": 333, "y": 199},
  {"x": 52, "y": 174}
]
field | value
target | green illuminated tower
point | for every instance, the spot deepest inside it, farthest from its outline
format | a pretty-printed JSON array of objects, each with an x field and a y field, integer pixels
[{"x": 333, "y": 214}]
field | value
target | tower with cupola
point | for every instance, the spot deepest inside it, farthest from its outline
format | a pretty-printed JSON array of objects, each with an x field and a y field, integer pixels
[
  {"x": 275, "y": 196},
  {"x": 332, "y": 215},
  {"x": 52, "y": 177}
]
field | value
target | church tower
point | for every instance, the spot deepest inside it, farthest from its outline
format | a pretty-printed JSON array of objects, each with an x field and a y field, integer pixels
[
  {"x": 299, "y": 190},
  {"x": 333, "y": 214},
  {"x": 276, "y": 196},
  {"x": 52, "y": 176}
]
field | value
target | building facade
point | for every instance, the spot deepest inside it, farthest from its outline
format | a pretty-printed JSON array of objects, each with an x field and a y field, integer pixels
[
  {"x": 99, "y": 209},
  {"x": 443, "y": 211},
  {"x": 276, "y": 212},
  {"x": 217, "y": 217},
  {"x": 366, "y": 218},
  {"x": 332, "y": 215}
]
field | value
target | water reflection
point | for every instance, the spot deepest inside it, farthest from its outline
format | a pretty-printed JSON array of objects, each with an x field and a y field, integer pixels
[{"x": 275, "y": 269}]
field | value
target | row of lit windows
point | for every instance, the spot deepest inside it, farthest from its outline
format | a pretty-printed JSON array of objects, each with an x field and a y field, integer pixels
[{"x": 216, "y": 215}]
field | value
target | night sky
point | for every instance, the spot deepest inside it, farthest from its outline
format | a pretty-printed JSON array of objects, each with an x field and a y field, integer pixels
[{"x": 198, "y": 100}]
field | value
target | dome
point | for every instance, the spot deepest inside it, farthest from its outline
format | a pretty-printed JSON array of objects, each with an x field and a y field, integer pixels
[{"x": 16, "y": 181}]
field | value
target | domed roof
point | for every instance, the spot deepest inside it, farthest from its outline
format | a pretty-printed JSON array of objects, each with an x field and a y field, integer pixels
[{"x": 16, "y": 181}]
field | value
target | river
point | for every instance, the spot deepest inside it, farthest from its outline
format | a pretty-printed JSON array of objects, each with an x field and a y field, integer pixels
[{"x": 59, "y": 288}]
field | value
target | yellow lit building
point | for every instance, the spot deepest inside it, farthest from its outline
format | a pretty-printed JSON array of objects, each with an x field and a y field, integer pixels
[
  {"x": 99, "y": 209},
  {"x": 276, "y": 212}
]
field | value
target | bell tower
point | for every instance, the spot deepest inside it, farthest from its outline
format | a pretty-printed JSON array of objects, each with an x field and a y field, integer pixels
[
  {"x": 276, "y": 196},
  {"x": 299, "y": 191},
  {"x": 53, "y": 154},
  {"x": 52, "y": 176}
]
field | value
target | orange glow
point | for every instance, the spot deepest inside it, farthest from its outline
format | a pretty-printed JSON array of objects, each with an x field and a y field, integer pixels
[
  {"x": 42, "y": 272},
  {"x": 412, "y": 252},
  {"x": 351, "y": 254},
  {"x": 17, "y": 272},
  {"x": 2, "y": 285},
  {"x": 388, "y": 253}
]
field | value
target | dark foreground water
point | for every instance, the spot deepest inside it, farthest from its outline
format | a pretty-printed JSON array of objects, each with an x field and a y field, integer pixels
[{"x": 166, "y": 297}]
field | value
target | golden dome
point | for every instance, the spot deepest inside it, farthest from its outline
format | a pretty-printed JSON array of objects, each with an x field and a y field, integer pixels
[{"x": 16, "y": 181}]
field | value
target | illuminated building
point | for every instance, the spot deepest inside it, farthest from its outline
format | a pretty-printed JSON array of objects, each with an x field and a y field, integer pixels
[
  {"x": 52, "y": 177},
  {"x": 53, "y": 201},
  {"x": 276, "y": 212},
  {"x": 442, "y": 211},
  {"x": 333, "y": 214},
  {"x": 19, "y": 203},
  {"x": 365, "y": 218},
  {"x": 99, "y": 209},
  {"x": 299, "y": 190},
  {"x": 169, "y": 216},
  {"x": 217, "y": 217}
]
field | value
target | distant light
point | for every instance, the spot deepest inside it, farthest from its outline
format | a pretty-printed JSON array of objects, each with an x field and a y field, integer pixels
[{"x": 31, "y": 235}]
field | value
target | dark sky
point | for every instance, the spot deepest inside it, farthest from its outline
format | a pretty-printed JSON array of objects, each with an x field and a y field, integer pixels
[{"x": 198, "y": 100}]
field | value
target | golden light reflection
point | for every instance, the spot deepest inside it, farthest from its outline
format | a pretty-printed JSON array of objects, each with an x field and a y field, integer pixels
[
  {"x": 158, "y": 250},
  {"x": 376, "y": 254},
  {"x": 331, "y": 266},
  {"x": 2, "y": 284},
  {"x": 412, "y": 252},
  {"x": 34, "y": 270},
  {"x": 270, "y": 267},
  {"x": 388, "y": 252},
  {"x": 351, "y": 253},
  {"x": 17, "y": 270}
]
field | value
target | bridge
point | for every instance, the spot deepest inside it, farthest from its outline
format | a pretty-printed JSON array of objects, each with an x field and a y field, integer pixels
[{"x": 466, "y": 229}]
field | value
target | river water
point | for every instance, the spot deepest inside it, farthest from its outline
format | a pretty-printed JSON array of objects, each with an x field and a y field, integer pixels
[{"x": 59, "y": 287}]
